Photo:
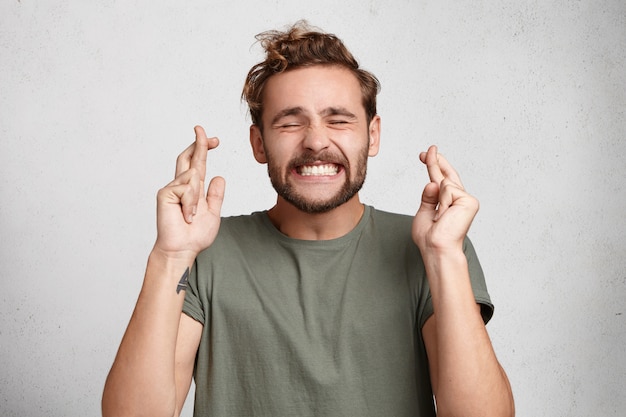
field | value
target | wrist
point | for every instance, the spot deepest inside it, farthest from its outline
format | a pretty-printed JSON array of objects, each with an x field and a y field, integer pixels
[
  {"x": 158, "y": 252},
  {"x": 167, "y": 272},
  {"x": 443, "y": 252},
  {"x": 441, "y": 263},
  {"x": 166, "y": 260}
]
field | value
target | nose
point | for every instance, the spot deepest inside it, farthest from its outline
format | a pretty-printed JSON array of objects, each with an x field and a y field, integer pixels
[{"x": 316, "y": 138}]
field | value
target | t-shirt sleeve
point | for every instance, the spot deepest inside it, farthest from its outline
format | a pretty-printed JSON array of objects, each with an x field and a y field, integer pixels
[
  {"x": 477, "y": 278},
  {"x": 193, "y": 305},
  {"x": 479, "y": 287}
]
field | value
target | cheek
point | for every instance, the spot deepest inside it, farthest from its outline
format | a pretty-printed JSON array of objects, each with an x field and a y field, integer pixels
[
  {"x": 277, "y": 159},
  {"x": 356, "y": 148},
  {"x": 282, "y": 150}
]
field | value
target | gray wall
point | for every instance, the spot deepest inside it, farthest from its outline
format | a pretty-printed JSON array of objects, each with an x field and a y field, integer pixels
[{"x": 526, "y": 98}]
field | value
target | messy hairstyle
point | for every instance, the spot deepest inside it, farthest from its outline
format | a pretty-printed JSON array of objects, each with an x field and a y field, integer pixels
[{"x": 303, "y": 46}]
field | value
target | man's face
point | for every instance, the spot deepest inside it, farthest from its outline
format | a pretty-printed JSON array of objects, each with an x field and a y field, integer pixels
[{"x": 316, "y": 138}]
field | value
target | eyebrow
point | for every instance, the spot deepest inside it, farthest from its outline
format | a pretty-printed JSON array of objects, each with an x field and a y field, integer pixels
[
  {"x": 289, "y": 111},
  {"x": 329, "y": 111},
  {"x": 338, "y": 111}
]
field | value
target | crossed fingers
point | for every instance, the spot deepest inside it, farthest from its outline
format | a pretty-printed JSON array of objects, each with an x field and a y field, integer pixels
[
  {"x": 451, "y": 190},
  {"x": 196, "y": 154},
  {"x": 191, "y": 172},
  {"x": 439, "y": 168}
]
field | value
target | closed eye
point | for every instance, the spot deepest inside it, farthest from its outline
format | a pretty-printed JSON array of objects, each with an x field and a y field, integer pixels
[
  {"x": 340, "y": 123},
  {"x": 288, "y": 127}
]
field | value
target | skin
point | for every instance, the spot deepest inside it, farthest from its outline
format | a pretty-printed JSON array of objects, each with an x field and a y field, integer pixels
[
  {"x": 465, "y": 374},
  {"x": 312, "y": 117},
  {"x": 315, "y": 112}
]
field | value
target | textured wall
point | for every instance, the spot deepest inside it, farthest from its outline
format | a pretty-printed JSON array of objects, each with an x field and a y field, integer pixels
[{"x": 526, "y": 98}]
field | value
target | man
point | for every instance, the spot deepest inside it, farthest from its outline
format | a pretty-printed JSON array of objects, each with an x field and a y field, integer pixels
[{"x": 320, "y": 306}]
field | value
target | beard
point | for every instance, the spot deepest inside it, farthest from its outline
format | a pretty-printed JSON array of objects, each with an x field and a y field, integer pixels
[{"x": 349, "y": 189}]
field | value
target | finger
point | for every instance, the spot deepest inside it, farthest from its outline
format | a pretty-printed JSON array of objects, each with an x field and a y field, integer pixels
[
  {"x": 182, "y": 178},
  {"x": 448, "y": 170},
  {"x": 451, "y": 194},
  {"x": 189, "y": 200},
  {"x": 430, "y": 158},
  {"x": 439, "y": 167},
  {"x": 198, "y": 158},
  {"x": 446, "y": 196},
  {"x": 196, "y": 154},
  {"x": 185, "y": 190},
  {"x": 183, "y": 162},
  {"x": 215, "y": 195},
  {"x": 430, "y": 199},
  {"x": 203, "y": 145}
]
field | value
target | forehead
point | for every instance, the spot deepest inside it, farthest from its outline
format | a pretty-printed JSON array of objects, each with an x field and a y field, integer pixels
[{"x": 314, "y": 89}]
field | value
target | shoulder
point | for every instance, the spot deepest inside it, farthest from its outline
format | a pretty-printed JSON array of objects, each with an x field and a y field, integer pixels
[
  {"x": 237, "y": 233},
  {"x": 390, "y": 233},
  {"x": 390, "y": 218},
  {"x": 392, "y": 225},
  {"x": 243, "y": 223}
]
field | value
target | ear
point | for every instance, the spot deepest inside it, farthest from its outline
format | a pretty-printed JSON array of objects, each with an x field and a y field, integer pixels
[
  {"x": 374, "y": 135},
  {"x": 256, "y": 141}
]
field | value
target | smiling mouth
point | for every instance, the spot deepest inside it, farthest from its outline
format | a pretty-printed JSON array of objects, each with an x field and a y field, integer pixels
[{"x": 318, "y": 170}]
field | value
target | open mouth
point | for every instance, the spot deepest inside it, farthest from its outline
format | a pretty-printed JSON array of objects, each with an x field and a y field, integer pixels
[{"x": 318, "y": 170}]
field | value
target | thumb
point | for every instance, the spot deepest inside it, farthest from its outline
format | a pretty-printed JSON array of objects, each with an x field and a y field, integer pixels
[
  {"x": 430, "y": 198},
  {"x": 215, "y": 195}
]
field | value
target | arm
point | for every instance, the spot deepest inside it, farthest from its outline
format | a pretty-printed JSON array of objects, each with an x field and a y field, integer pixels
[
  {"x": 152, "y": 371},
  {"x": 465, "y": 374},
  {"x": 189, "y": 333}
]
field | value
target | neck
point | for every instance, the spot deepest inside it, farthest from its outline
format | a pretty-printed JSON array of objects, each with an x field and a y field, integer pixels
[{"x": 333, "y": 224}]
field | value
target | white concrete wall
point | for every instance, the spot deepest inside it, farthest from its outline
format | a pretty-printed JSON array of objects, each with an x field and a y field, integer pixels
[{"x": 527, "y": 98}]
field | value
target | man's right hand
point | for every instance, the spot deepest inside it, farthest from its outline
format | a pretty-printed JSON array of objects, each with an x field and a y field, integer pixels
[
  {"x": 187, "y": 219},
  {"x": 143, "y": 380}
]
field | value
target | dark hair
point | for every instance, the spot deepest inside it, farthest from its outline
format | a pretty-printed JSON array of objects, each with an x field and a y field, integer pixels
[{"x": 303, "y": 46}]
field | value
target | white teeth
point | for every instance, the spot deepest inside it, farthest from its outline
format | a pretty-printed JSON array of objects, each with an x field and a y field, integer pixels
[{"x": 328, "y": 169}]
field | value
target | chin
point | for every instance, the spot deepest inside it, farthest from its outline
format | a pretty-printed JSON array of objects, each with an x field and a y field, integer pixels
[{"x": 319, "y": 206}]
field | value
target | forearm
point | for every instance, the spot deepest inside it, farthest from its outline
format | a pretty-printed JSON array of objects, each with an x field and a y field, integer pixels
[
  {"x": 142, "y": 378},
  {"x": 469, "y": 379}
]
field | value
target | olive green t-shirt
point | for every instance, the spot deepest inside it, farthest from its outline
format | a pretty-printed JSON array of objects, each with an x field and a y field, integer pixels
[{"x": 314, "y": 328}]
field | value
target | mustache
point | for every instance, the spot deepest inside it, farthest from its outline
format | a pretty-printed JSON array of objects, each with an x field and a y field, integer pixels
[{"x": 308, "y": 158}]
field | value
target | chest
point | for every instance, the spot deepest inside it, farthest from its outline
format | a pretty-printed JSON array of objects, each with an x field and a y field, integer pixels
[{"x": 326, "y": 298}]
